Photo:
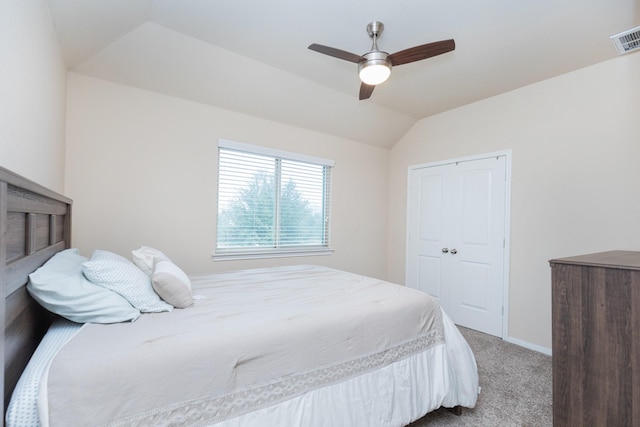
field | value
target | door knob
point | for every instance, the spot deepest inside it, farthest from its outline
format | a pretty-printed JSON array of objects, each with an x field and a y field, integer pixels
[
  {"x": 445, "y": 250},
  {"x": 454, "y": 251}
]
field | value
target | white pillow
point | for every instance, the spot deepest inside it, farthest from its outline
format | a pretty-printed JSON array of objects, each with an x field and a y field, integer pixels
[
  {"x": 144, "y": 258},
  {"x": 60, "y": 287},
  {"x": 171, "y": 283},
  {"x": 117, "y": 273}
]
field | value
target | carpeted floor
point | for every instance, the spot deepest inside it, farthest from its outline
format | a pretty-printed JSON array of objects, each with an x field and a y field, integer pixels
[{"x": 516, "y": 387}]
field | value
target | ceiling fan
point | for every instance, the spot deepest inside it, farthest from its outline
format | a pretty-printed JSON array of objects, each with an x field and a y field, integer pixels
[{"x": 374, "y": 67}]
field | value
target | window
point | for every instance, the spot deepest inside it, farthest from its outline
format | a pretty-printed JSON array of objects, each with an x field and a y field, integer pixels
[{"x": 271, "y": 203}]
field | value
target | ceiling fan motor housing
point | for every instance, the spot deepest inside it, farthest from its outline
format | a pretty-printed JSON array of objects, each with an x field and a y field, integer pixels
[{"x": 375, "y": 57}]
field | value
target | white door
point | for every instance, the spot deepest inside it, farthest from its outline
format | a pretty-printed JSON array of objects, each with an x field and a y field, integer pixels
[{"x": 456, "y": 239}]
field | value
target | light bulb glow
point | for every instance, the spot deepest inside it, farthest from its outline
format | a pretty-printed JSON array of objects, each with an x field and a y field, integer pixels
[{"x": 374, "y": 74}]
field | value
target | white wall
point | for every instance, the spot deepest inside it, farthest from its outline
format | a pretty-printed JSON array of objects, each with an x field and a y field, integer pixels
[
  {"x": 576, "y": 171},
  {"x": 32, "y": 93},
  {"x": 142, "y": 167}
]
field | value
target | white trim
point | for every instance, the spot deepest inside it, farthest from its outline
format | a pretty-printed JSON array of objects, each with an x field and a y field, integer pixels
[
  {"x": 506, "y": 153},
  {"x": 257, "y": 149},
  {"x": 507, "y": 221},
  {"x": 234, "y": 255},
  {"x": 507, "y": 240},
  {"x": 528, "y": 345}
]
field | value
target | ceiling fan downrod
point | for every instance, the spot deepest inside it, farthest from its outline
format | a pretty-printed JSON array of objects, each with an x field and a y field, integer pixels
[{"x": 374, "y": 29}]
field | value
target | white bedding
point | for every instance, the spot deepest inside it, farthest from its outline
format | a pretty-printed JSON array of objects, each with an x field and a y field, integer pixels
[
  {"x": 23, "y": 407},
  {"x": 395, "y": 395},
  {"x": 300, "y": 345}
]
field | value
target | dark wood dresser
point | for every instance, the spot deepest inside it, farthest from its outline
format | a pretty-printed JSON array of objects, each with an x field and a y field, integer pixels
[{"x": 596, "y": 339}]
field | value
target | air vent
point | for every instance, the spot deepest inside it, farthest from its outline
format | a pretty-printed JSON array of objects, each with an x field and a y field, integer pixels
[{"x": 627, "y": 41}]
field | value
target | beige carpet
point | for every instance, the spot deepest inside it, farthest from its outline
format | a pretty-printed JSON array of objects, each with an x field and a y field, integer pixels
[{"x": 516, "y": 387}]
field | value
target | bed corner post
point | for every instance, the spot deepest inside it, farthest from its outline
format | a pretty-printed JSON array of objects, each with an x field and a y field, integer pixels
[
  {"x": 457, "y": 410},
  {"x": 3, "y": 285}
]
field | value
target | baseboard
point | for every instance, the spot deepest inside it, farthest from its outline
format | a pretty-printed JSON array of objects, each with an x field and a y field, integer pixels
[{"x": 530, "y": 346}]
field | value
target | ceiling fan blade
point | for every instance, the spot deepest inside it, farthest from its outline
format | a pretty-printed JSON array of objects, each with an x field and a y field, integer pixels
[
  {"x": 424, "y": 51},
  {"x": 336, "y": 53},
  {"x": 366, "y": 91}
]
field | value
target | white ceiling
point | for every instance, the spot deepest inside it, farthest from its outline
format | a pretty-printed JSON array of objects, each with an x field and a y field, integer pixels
[{"x": 252, "y": 56}]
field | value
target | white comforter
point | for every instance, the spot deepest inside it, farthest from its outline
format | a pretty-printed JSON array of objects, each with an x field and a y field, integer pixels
[{"x": 258, "y": 342}]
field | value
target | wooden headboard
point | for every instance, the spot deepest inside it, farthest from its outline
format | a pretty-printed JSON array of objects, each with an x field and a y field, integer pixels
[{"x": 35, "y": 224}]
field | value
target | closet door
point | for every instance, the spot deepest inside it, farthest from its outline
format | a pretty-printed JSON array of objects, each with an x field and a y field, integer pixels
[{"x": 456, "y": 239}]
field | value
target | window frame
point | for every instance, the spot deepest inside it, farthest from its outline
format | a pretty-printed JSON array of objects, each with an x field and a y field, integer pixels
[{"x": 221, "y": 254}]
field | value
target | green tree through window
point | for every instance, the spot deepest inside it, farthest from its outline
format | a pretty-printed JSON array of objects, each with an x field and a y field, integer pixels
[
  {"x": 249, "y": 219},
  {"x": 270, "y": 202}
]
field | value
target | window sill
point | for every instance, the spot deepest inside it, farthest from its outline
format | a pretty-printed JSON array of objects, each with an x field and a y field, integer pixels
[{"x": 270, "y": 253}]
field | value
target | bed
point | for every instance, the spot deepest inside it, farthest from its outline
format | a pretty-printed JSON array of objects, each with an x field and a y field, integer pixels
[{"x": 279, "y": 346}]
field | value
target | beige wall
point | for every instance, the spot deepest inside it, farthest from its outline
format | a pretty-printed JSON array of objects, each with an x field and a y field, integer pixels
[
  {"x": 141, "y": 168},
  {"x": 32, "y": 94},
  {"x": 575, "y": 141}
]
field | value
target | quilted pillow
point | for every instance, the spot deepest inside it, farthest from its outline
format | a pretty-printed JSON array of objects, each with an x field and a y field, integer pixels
[
  {"x": 117, "y": 273},
  {"x": 144, "y": 258},
  {"x": 60, "y": 287},
  {"x": 171, "y": 283}
]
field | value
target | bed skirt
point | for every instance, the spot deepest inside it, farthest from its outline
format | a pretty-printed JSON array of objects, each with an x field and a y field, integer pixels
[{"x": 395, "y": 395}]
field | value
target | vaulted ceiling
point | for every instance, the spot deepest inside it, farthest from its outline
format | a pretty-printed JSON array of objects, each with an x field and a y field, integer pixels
[{"x": 252, "y": 56}]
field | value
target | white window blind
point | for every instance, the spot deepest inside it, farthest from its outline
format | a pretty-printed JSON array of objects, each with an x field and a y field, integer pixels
[{"x": 271, "y": 203}]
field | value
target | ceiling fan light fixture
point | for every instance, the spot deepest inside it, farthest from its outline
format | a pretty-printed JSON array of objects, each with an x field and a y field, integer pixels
[
  {"x": 375, "y": 69},
  {"x": 374, "y": 74}
]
